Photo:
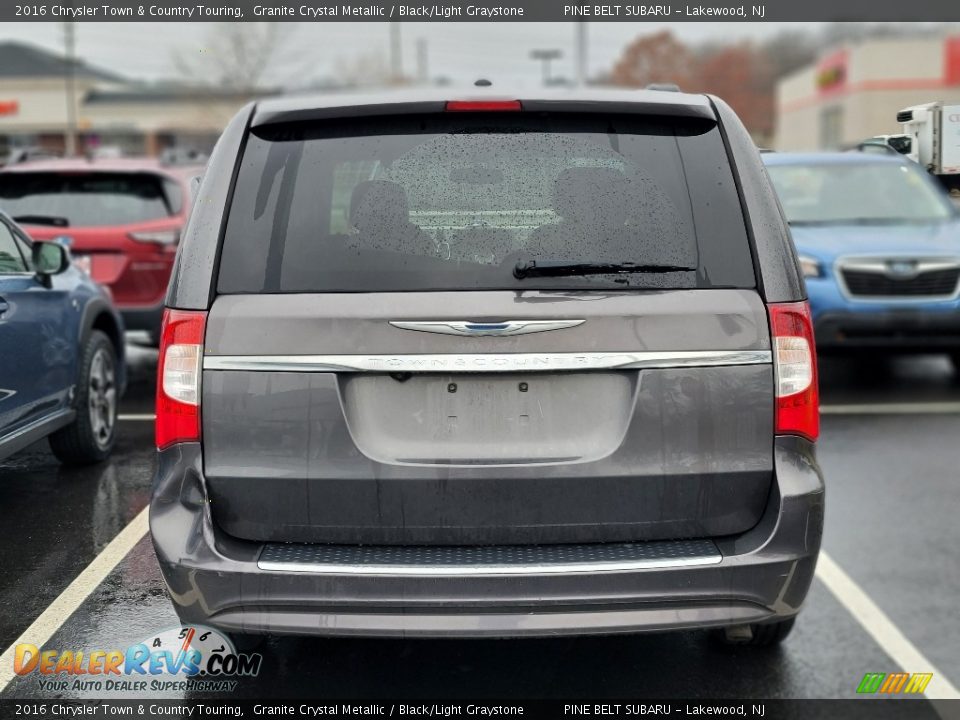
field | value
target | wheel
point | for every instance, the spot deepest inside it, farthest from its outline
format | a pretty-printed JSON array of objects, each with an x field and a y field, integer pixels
[
  {"x": 90, "y": 438},
  {"x": 757, "y": 634}
]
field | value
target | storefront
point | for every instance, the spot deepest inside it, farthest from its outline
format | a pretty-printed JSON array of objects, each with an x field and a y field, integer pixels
[
  {"x": 111, "y": 112},
  {"x": 854, "y": 92}
]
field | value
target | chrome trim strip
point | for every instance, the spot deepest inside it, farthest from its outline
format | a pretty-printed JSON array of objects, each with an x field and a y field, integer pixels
[
  {"x": 471, "y": 328},
  {"x": 486, "y": 362},
  {"x": 878, "y": 264},
  {"x": 882, "y": 267},
  {"x": 480, "y": 570}
]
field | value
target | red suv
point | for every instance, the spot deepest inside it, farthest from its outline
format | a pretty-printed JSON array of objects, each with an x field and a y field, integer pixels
[{"x": 121, "y": 219}]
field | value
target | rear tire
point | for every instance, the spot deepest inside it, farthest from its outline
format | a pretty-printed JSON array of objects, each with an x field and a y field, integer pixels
[
  {"x": 761, "y": 634},
  {"x": 91, "y": 436},
  {"x": 246, "y": 643}
]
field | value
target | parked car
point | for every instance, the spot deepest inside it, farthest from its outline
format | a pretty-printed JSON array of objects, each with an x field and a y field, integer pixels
[
  {"x": 61, "y": 352},
  {"x": 885, "y": 145},
  {"x": 879, "y": 244},
  {"x": 121, "y": 219},
  {"x": 19, "y": 155},
  {"x": 434, "y": 366}
]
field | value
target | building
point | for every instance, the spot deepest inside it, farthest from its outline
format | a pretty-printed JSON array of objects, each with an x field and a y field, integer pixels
[
  {"x": 854, "y": 92},
  {"x": 111, "y": 111}
]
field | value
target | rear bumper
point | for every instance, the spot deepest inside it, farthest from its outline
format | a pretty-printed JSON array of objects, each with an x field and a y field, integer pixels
[
  {"x": 761, "y": 575},
  {"x": 893, "y": 330}
]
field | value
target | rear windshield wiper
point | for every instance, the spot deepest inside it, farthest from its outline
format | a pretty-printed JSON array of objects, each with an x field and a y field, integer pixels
[
  {"x": 562, "y": 268},
  {"x": 53, "y": 220}
]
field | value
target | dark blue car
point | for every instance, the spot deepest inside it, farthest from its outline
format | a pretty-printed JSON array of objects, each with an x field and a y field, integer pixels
[
  {"x": 61, "y": 352},
  {"x": 879, "y": 245}
]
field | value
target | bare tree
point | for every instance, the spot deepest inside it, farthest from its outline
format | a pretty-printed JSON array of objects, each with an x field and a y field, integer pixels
[
  {"x": 362, "y": 69},
  {"x": 657, "y": 58},
  {"x": 740, "y": 74},
  {"x": 790, "y": 50},
  {"x": 367, "y": 69},
  {"x": 233, "y": 56}
]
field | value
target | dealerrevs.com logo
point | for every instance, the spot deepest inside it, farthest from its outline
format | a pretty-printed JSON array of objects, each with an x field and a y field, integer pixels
[{"x": 192, "y": 657}]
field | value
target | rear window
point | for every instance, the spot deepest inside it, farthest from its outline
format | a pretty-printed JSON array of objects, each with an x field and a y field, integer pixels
[
  {"x": 455, "y": 201},
  {"x": 88, "y": 199}
]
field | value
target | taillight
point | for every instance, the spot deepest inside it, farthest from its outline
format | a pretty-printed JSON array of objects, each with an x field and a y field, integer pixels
[
  {"x": 178, "y": 377},
  {"x": 795, "y": 370},
  {"x": 483, "y": 105}
]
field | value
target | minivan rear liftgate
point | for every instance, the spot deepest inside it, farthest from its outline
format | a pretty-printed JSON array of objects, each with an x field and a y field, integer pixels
[{"x": 438, "y": 437}]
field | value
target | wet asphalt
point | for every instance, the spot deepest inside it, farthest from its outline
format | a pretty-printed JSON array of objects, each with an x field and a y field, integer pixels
[{"x": 893, "y": 493}]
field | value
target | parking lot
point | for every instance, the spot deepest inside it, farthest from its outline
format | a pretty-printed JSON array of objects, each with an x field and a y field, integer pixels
[{"x": 884, "y": 599}]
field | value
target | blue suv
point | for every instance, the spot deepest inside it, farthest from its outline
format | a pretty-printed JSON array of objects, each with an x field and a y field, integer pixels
[
  {"x": 879, "y": 245},
  {"x": 61, "y": 352}
]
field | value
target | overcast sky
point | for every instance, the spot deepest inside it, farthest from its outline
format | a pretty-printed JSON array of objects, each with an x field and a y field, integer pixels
[{"x": 460, "y": 51}]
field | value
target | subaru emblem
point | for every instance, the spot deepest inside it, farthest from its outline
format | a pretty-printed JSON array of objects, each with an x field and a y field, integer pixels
[{"x": 902, "y": 269}]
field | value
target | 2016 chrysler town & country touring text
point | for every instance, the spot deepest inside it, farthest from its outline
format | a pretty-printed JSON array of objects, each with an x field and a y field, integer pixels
[{"x": 487, "y": 366}]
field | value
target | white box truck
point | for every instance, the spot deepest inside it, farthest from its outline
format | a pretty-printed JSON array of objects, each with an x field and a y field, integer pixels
[{"x": 934, "y": 133}]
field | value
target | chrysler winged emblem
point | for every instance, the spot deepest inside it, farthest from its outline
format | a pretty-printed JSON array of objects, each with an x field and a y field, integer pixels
[{"x": 485, "y": 329}]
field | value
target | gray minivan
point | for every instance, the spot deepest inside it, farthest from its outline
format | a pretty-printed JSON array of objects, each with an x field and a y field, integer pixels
[{"x": 487, "y": 364}]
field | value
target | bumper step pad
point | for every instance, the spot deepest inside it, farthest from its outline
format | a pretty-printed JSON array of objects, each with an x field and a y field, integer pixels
[{"x": 434, "y": 561}]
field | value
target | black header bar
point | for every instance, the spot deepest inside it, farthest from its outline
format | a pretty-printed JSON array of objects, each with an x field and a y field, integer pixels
[{"x": 320, "y": 11}]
